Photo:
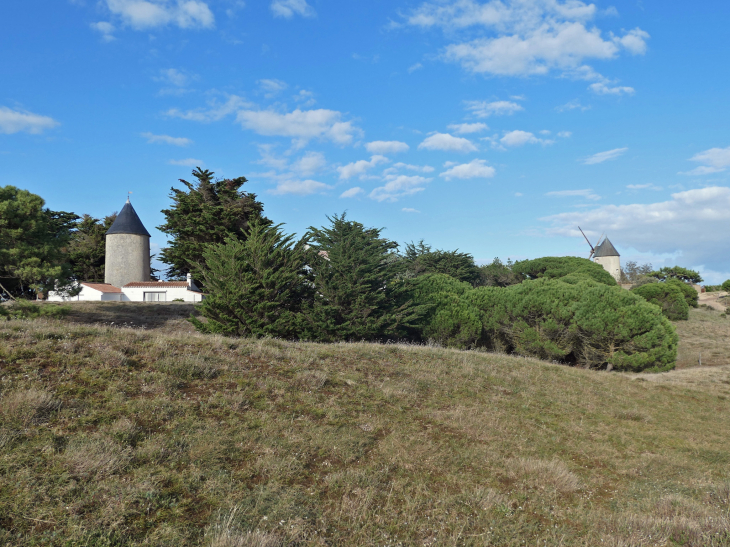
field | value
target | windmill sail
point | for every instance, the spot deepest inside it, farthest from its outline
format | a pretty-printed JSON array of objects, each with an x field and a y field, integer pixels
[{"x": 593, "y": 250}]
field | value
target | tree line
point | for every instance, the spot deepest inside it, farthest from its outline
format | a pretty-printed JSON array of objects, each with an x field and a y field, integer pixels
[{"x": 344, "y": 282}]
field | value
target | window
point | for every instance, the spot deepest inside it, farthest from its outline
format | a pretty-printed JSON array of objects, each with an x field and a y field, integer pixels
[{"x": 154, "y": 297}]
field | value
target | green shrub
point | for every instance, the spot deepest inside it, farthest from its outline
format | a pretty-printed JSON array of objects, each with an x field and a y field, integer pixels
[
  {"x": 421, "y": 259},
  {"x": 449, "y": 319},
  {"x": 254, "y": 287},
  {"x": 573, "y": 320},
  {"x": 582, "y": 322},
  {"x": 560, "y": 266},
  {"x": 690, "y": 293},
  {"x": 668, "y": 297},
  {"x": 726, "y": 285},
  {"x": 677, "y": 272},
  {"x": 23, "y": 309}
]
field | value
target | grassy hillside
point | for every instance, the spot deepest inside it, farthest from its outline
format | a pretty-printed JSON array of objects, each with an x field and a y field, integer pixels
[{"x": 150, "y": 434}]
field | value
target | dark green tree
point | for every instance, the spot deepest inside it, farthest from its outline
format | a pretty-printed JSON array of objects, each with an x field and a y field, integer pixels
[
  {"x": 209, "y": 211},
  {"x": 499, "y": 274},
  {"x": 554, "y": 267},
  {"x": 690, "y": 293},
  {"x": 422, "y": 260},
  {"x": 677, "y": 272},
  {"x": 359, "y": 290},
  {"x": 668, "y": 297},
  {"x": 256, "y": 286},
  {"x": 87, "y": 248},
  {"x": 32, "y": 244}
]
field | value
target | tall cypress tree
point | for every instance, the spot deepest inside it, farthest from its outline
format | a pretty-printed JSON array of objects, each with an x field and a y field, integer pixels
[
  {"x": 254, "y": 287},
  {"x": 210, "y": 211},
  {"x": 358, "y": 293}
]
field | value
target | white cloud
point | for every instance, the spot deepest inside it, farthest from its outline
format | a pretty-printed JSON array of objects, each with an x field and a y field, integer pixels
[
  {"x": 410, "y": 210},
  {"x": 309, "y": 164},
  {"x": 565, "y": 134},
  {"x": 15, "y": 121},
  {"x": 693, "y": 223},
  {"x": 587, "y": 194},
  {"x": 271, "y": 87},
  {"x": 523, "y": 37},
  {"x": 189, "y": 162},
  {"x": 715, "y": 160},
  {"x": 466, "y": 128},
  {"x": 175, "y": 77},
  {"x": 359, "y": 168},
  {"x": 215, "y": 112},
  {"x": 166, "y": 139},
  {"x": 471, "y": 170},
  {"x": 398, "y": 186},
  {"x": 414, "y": 67},
  {"x": 604, "y": 156},
  {"x": 484, "y": 109},
  {"x": 288, "y": 8},
  {"x": 105, "y": 29},
  {"x": 604, "y": 88},
  {"x": 398, "y": 166},
  {"x": 299, "y": 187},
  {"x": 572, "y": 105},
  {"x": 305, "y": 98},
  {"x": 147, "y": 14},
  {"x": 520, "y": 138},
  {"x": 448, "y": 143},
  {"x": 386, "y": 147},
  {"x": 352, "y": 192},
  {"x": 643, "y": 187},
  {"x": 300, "y": 124}
]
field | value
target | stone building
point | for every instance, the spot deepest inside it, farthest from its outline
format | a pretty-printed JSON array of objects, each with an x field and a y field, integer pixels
[
  {"x": 607, "y": 256},
  {"x": 127, "y": 269}
]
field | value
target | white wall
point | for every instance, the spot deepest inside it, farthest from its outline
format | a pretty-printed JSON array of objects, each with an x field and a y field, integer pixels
[
  {"x": 136, "y": 294},
  {"x": 87, "y": 294}
]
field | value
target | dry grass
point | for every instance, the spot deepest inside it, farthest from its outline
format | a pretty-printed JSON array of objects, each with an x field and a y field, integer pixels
[
  {"x": 158, "y": 436},
  {"x": 705, "y": 335}
]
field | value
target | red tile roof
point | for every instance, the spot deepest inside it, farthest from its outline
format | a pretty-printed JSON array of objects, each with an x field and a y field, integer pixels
[
  {"x": 158, "y": 284},
  {"x": 102, "y": 287}
]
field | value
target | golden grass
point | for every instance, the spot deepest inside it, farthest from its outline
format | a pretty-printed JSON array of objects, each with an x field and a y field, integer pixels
[
  {"x": 706, "y": 335},
  {"x": 124, "y": 436}
]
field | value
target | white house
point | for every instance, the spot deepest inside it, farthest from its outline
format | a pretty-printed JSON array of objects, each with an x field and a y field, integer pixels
[{"x": 127, "y": 269}]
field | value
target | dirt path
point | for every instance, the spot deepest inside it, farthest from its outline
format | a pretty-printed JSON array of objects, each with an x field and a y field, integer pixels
[{"x": 712, "y": 299}]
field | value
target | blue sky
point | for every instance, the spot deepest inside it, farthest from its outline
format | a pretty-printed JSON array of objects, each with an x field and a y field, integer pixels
[{"x": 492, "y": 127}]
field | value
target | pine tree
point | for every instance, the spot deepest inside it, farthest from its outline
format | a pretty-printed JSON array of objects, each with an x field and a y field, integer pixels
[
  {"x": 358, "y": 293},
  {"x": 255, "y": 286},
  {"x": 87, "y": 249},
  {"x": 423, "y": 260},
  {"x": 210, "y": 211},
  {"x": 32, "y": 241}
]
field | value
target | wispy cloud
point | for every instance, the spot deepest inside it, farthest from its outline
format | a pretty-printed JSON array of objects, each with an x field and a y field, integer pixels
[
  {"x": 148, "y": 14},
  {"x": 447, "y": 143},
  {"x": 16, "y": 121},
  {"x": 386, "y": 147},
  {"x": 467, "y": 128},
  {"x": 398, "y": 186},
  {"x": 359, "y": 168},
  {"x": 352, "y": 192},
  {"x": 604, "y": 156},
  {"x": 484, "y": 109},
  {"x": 288, "y": 8},
  {"x": 587, "y": 194},
  {"x": 714, "y": 160},
  {"x": 473, "y": 169},
  {"x": 166, "y": 139},
  {"x": 188, "y": 162}
]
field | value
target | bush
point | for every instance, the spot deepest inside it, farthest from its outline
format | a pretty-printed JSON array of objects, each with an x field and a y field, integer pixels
[
  {"x": 449, "y": 319},
  {"x": 23, "y": 309},
  {"x": 254, "y": 287},
  {"x": 559, "y": 266},
  {"x": 498, "y": 274},
  {"x": 668, "y": 297},
  {"x": 726, "y": 285},
  {"x": 422, "y": 260},
  {"x": 581, "y": 322},
  {"x": 677, "y": 272},
  {"x": 690, "y": 293},
  {"x": 573, "y": 320}
]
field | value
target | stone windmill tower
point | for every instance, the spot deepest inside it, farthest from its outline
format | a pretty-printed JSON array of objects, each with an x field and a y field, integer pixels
[
  {"x": 127, "y": 249},
  {"x": 605, "y": 254}
]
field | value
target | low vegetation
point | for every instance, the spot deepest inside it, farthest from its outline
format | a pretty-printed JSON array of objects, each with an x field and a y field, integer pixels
[{"x": 153, "y": 434}]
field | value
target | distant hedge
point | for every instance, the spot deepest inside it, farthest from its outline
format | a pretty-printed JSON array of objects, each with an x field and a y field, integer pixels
[
  {"x": 668, "y": 296},
  {"x": 573, "y": 320},
  {"x": 560, "y": 266}
]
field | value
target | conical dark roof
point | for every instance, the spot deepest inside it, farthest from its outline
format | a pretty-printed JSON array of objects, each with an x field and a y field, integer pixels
[
  {"x": 606, "y": 248},
  {"x": 128, "y": 222}
]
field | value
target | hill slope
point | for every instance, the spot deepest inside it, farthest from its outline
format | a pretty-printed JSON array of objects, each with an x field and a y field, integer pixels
[{"x": 161, "y": 436}]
